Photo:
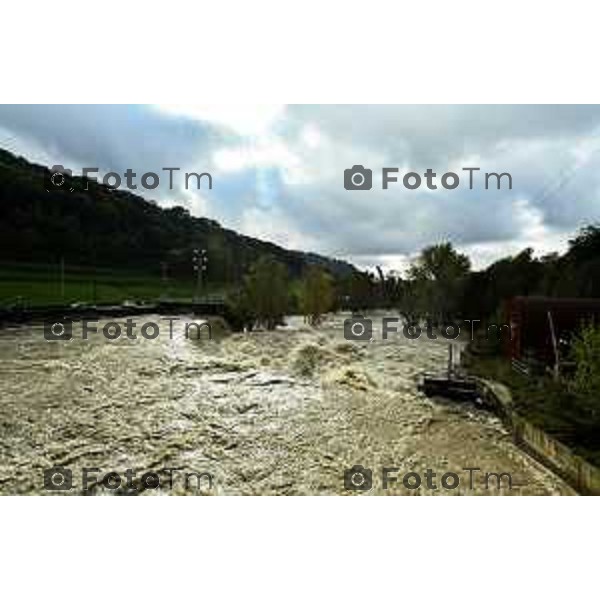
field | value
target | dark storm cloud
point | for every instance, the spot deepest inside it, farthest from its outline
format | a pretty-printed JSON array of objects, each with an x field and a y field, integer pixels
[
  {"x": 114, "y": 137},
  {"x": 552, "y": 152},
  {"x": 433, "y": 134}
]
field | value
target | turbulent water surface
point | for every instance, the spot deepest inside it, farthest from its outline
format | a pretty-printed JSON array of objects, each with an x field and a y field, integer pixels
[{"x": 284, "y": 412}]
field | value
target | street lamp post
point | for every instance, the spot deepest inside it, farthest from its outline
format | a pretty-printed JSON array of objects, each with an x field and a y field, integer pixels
[{"x": 200, "y": 261}]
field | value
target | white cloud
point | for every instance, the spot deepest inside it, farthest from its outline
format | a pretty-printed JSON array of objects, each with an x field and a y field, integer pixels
[
  {"x": 265, "y": 151},
  {"x": 273, "y": 225},
  {"x": 244, "y": 119}
]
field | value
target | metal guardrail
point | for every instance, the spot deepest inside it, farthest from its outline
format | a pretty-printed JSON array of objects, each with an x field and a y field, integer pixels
[{"x": 521, "y": 367}]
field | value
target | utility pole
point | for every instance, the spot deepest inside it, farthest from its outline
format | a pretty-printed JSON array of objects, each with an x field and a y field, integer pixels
[
  {"x": 200, "y": 261},
  {"x": 62, "y": 279}
]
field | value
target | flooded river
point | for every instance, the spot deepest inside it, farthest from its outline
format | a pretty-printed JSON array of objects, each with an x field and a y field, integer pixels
[{"x": 283, "y": 412}]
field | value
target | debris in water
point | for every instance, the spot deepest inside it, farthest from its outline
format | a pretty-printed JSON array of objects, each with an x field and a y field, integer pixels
[
  {"x": 308, "y": 358},
  {"x": 353, "y": 378}
]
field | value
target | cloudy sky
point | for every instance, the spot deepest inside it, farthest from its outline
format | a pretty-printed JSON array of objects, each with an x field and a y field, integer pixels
[{"x": 278, "y": 171}]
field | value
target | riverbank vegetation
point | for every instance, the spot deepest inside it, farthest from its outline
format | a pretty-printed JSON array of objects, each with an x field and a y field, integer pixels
[
  {"x": 268, "y": 294},
  {"x": 557, "y": 407}
]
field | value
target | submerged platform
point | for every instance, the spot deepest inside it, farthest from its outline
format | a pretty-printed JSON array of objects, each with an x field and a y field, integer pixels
[{"x": 457, "y": 388}]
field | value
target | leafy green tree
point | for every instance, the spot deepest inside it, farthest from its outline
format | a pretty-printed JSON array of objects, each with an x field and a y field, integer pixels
[
  {"x": 440, "y": 262},
  {"x": 316, "y": 294},
  {"x": 581, "y": 265},
  {"x": 240, "y": 314},
  {"x": 266, "y": 291},
  {"x": 586, "y": 351},
  {"x": 586, "y": 244},
  {"x": 360, "y": 290},
  {"x": 438, "y": 275}
]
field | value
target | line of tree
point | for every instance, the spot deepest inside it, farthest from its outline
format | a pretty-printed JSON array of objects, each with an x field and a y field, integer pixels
[
  {"x": 268, "y": 294},
  {"x": 441, "y": 285}
]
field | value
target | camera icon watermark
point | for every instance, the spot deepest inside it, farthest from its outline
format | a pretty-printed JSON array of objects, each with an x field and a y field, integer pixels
[
  {"x": 358, "y": 479},
  {"x": 128, "y": 482},
  {"x": 58, "y": 478},
  {"x": 58, "y": 330},
  {"x": 358, "y": 178},
  {"x": 59, "y": 178},
  {"x": 358, "y": 329},
  {"x": 62, "y": 330}
]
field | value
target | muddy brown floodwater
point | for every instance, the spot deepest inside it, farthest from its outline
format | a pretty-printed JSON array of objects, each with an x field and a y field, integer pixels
[{"x": 284, "y": 412}]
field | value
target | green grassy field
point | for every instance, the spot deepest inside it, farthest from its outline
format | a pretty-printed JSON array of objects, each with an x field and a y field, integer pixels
[{"x": 40, "y": 285}]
